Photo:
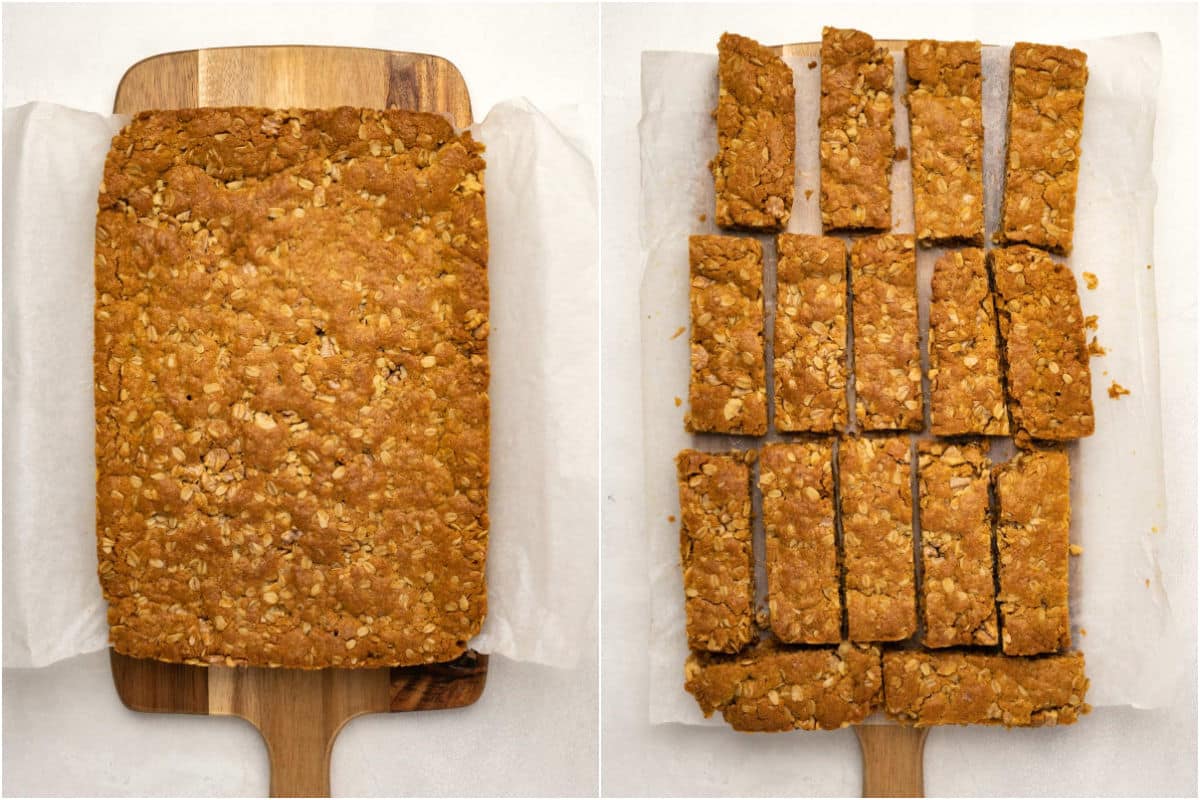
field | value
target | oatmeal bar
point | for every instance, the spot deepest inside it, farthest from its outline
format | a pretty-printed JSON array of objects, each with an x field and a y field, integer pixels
[
  {"x": 966, "y": 392},
  {"x": 796, "y": 481},
  {"x": 1033, "y": 529},
  {"x": 1045, "y": 352},
  {"x": 810, "y": 334},
  {"x": 958, "y": 593},
  {"x": 728, "y": 391},
  {"x": 291, "y": 387},
  {"x": 957, "y": 688},
  {"x": 887, "y": 355},
  {"x": 715, "y": 549},
  {"x": 945, "y": 103},
  {"x": 756, "y": 136},
  {"x": 772, "y": 688},
  {"x": 1045, "y": 121},
  {"x": 877, "y": 537},
  {"x": 857, "y": 141}
]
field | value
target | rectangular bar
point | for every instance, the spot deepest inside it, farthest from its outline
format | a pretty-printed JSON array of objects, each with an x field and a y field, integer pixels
[
  {"x": 956, "y": 688},
  {"x": 810, "y": 334},
  {"x": 1045, "y": 352},
  {"x": 877, "y": 537},
  {"x": 857, "y": 139},
  {"x": 945, "y": 104},
  {"x": 772, "y": 688},
  {"x": 796, "y": 480},
  {"x": 715, "y": 549},
  {"x": 1033, "y": 530},
  {"x": 966, "y": 390},
  {"x": 958, "y": 591},
  {"x": 728, "y": 391},
  {"x": 1045, "y": 122},
  {"x": 754, "y": 168},
  {"x": 887, "y": 354}
]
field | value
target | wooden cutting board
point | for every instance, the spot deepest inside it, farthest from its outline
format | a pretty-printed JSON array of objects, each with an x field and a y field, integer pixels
[{"x": 299, "y": 713}]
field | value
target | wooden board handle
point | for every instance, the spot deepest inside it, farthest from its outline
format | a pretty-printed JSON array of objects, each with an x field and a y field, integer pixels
[{"x": 892, "y": 757}]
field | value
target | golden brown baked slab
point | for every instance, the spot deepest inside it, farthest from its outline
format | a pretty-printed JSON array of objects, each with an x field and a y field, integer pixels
[
  {"x": 810, "y": 334},
  {"x": 796, "y": 480},
  {"x": 958, "y": 688},
  {"x": 887, "y": 354},
  {"x": 291, "y": 387},
  {"x": 1033, "y": 529},
  {"x": 958, "y": 592},
  {"x": 716, "y": 549},
  {"x": 727, "y": 392},
  {"x": 874, "y": 475},
  {"x": 857, "y": 141},
  {"x": 1045, "y": 122},
  {"x": 966, "y": 389},
  {"x": 945, "y": 104},
  {"x": 772, "y": 688},
  {"x": 1045, "y": 352},
  {"x": 756, "y": 136}
]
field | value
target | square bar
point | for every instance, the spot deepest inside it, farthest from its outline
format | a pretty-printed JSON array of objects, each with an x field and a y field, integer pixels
[
  {"x": 1045, "y": 123},
  {"x": 772, "y": 688},
  {"x": 945, "y": 103},
  {"x": 1045, "y": 352},
  {"x": 966, "y": 390},
  {"x": 756, "y": 137},
  {"x": 715, "y": 549},
  {"x": 958, "y": 592},
  {"x": 810, "y": 334},
  {"x": 887, "y": 354},
  {"x": 728, "y": 391},
  {"x": 956, "y": 688},
  {"x": 1033, "y": 529},
  {"x": 796, "y": 480},
  {"x": 877, "y": 537},
  {"x": 857, "y": 140}
]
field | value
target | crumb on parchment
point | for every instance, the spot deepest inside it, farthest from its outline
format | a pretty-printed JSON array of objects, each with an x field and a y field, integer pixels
[
  {"x": 1096, "y": 349},
  {"x": 901, "y": 153},
  {"x": 1091, "y": 280},
  {"x": 1076, "y": 550},
  {"x": 1091, "y": 322},
  {"x": 678, "y": 332},
  {"x": 812, "y": 65},
  {"x": 1116, "y": 390},
  {"x": 678, "y": 402},
  {"x": 808, "y": 193}
]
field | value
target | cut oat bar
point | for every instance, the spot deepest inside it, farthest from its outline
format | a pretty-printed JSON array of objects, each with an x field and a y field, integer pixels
[
  {"x": 810, "y": 334},
  {"x": 877, "y": 537},
  {"x": 945, "y": 103},
  {"x": 857, "y": 141},
  {"x": 1033, "y": 528},
  {"x": 727, "y": 392},
  {"x": 958, "y": 593},
  {"x": 756, "y": 136},
  {"x": 1045, "y": 352},
  {"x": 1045, "y": 122},
  {"x": 966, "y": 390},
  {"x": 957, "y": 688},
  {"x": 291, "y": 387},
  {"x": 796, "y": 480},
  {"x": 715, "y": 549},
  {"x": 887, "y": 355},
  {"x": 773, "y": 688}
]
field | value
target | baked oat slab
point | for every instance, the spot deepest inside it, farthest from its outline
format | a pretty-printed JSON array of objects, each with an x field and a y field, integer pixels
[
  {"x": 291, "y": 377},
  {"x": 857, "y": 142},
  {"x": 961, "y": 688},
  {"x": 771, "y": 688},
  {"x": 810, "y": 334},
  {"x": 958, "y": 592},
  {"x": 796, "y": 480},
  {"x": 945, "y": 103},
  {"x": 754, "y": 168}
]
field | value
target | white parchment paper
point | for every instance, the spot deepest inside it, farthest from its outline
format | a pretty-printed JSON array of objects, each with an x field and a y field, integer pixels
[
  {"x": 542, "y": 267},
  {"x": 1121, "y": 616}
]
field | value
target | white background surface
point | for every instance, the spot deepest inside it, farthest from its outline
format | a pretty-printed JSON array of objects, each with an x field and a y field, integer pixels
[
  {"x": 1113, "y": 751},
  {"x": 534, "y": 730}
]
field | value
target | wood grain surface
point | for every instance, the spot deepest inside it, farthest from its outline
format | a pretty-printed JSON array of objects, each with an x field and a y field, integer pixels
[{"x": 299, "y": 713}]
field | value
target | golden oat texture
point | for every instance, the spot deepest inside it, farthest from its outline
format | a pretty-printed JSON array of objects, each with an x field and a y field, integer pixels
[{"x": 291, "y": 385}]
